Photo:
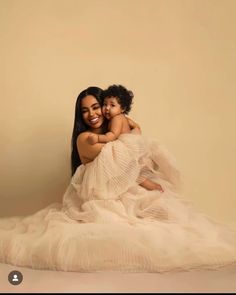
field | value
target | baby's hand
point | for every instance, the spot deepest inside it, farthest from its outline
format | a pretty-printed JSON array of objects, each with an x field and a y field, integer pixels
[{"x": 93, "y": 138}]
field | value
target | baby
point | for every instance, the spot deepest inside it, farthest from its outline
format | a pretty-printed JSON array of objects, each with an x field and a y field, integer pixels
[{"x": 117, "y": 102}]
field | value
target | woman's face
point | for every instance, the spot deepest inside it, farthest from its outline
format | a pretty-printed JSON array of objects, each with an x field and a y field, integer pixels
[{"x": 91, "y": 112}]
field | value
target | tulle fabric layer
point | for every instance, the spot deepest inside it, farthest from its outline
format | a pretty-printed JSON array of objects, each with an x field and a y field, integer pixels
[{"x": 108, "y": 222}]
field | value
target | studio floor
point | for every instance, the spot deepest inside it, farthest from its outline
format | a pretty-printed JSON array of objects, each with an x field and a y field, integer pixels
[{"x": 222, "y": 280}]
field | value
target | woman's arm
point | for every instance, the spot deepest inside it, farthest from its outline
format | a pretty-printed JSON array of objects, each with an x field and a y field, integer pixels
[{"x": 87, "y": 152}]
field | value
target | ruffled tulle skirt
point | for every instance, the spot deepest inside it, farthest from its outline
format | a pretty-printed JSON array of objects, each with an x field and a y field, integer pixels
[{"x": 107, "y": 221}]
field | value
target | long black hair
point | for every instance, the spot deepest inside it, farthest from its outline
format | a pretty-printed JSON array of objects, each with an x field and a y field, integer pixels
[{"x": 79, "y": 125}]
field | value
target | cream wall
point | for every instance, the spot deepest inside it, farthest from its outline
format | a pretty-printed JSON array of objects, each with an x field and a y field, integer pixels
[{"x": 177, "y": 56}]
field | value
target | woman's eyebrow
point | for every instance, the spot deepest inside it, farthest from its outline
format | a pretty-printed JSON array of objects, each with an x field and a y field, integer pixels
[{"x": 93, "y": 105}]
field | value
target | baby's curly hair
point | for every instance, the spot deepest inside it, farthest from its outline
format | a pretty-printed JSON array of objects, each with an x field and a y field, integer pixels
[{"x": 123, "y": 95}]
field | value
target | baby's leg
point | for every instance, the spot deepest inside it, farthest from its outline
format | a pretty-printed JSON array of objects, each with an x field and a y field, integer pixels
[{"x": 150, "y": 185}]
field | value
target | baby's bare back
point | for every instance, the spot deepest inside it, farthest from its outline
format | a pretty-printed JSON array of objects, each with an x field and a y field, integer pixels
[{"x": 123, "y": 124}]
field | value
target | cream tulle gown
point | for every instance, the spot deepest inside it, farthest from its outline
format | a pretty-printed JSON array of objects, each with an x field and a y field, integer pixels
[{"x": 107, "y": 221}]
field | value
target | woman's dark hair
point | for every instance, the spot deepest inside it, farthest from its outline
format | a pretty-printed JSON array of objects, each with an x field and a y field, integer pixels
[
  {"x": 79, "y": 125},
  {"x": 124, "y": 96}
]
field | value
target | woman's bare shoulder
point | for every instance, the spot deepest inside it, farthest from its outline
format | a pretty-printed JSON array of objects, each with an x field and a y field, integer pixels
[
  {"x": 82, "y": 142},
  {"x": 82, "y": 137}
]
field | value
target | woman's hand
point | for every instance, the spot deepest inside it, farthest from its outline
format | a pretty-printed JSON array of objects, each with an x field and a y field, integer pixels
[
  {"x": 134, "y": 126},
  {"x": 136, "y": 130}
]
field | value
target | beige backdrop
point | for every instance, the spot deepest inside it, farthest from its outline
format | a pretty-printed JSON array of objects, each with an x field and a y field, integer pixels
[{"x": 177, "y": 56}]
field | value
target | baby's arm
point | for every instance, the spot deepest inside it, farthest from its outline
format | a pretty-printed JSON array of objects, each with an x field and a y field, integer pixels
[
  {"x": 87, "y": 152},
  {"x": 115, "y": 131}
]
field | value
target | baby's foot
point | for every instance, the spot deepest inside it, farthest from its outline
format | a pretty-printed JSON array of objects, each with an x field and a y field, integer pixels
[
  {"x": 158, "y": 187},
  {"x": 150, "y": 185}
]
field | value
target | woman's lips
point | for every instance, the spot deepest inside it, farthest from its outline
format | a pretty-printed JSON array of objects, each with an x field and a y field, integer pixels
[{"x": 94, "y": 120}]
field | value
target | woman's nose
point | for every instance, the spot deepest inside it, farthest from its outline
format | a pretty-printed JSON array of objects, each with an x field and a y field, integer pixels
[{"x": 91, "y": 113}]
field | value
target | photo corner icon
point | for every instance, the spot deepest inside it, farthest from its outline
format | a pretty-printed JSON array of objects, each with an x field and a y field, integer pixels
[{"x": 15, "y": 277}]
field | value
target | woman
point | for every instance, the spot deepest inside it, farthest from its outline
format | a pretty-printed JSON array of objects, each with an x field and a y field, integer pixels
[
  {"x": 162, "y": 230},
  {"x": 109, "y": 222}
]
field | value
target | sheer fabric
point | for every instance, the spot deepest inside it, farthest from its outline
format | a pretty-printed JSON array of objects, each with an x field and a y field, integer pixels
[{"x": 107, "y": 221}]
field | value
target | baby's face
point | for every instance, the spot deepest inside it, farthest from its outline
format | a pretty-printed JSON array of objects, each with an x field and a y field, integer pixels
[{"x": 111, "y": 107}]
